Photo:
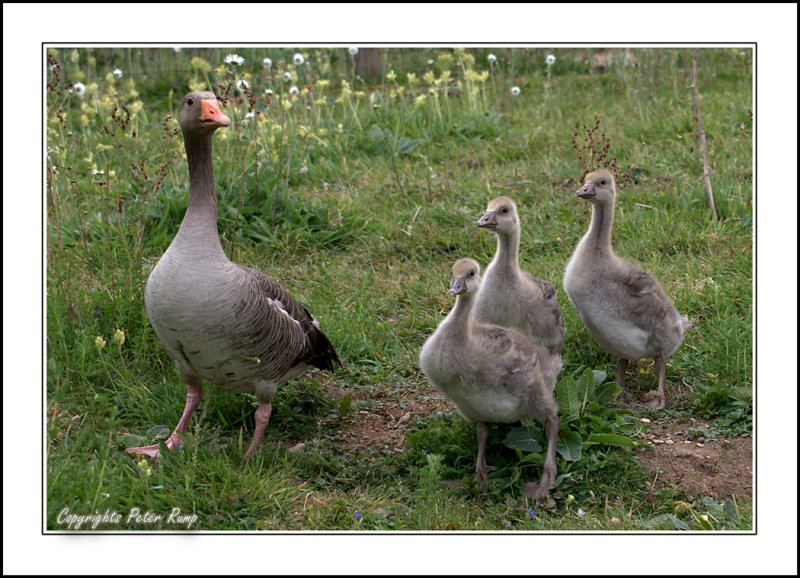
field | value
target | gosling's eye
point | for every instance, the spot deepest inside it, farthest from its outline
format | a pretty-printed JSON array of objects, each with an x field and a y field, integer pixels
[
  {"x": 472, "y": 273},
  {"x": 504, "y": 210},
  {"x": 190, "y": 101},
  {"x": 603, "y": 183}
]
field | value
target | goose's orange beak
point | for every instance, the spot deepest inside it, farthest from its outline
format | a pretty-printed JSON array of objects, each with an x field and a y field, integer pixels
[{"x": 211, "y": 115}]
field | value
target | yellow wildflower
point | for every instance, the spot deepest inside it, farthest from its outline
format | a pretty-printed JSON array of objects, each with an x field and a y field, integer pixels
[{"x": 99, "y": 343}]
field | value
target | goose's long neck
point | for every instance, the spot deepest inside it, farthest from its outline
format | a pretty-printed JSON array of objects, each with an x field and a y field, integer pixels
[
  {"x": 507, "y": 256},
  {"x": 199, "y": 224},
  {"x": 599, "y": 236}
]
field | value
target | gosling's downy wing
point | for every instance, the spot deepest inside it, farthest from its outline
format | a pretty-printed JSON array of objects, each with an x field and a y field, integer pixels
[
  {"x": 646, "y": 305},
  {"x": 293, "y": 330},
  {"x": 511, "y": 354},
  {"x": 547, "y": 290}
]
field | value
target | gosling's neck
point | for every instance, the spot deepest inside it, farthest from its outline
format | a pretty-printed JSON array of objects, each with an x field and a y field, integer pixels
[
  {"x": 598, "y": 238},
  {"x": 507, "y": 257},
  {"x": 458, "y": 321}
]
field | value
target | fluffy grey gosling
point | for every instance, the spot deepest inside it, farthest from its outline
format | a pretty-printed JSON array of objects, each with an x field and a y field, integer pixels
[
  {"x": 511, "y": 297},
  {"x": 623, "y": 307},
  {"x": 220, "y": 321},
  {"x": 492, "y": 374}
]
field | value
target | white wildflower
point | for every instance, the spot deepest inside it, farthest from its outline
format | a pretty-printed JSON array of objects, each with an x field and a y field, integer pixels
[
  {"x": 267, "y": 62},
  {"x": 287, "y": 76},
  {"x": 353, "y": 50},
  {"x": 491, "y": 58},
  {"x": 242, "y": 84},
  {"x": 176, "y": 49},
  {"x": 249, "y": 115},
  {"x": 294, "y": 90},
  {"x": 550, "y": 60},
  {"x": 234, "y": 59},
  {"x": 515, "y": 91},
  {"x": 117, "y": 73},
  {"x": 298, "y": 59},
  {"x": 581, "y": 513},
  {"x": 268, "y": 91},
  {"x": 79, "y": 88}
]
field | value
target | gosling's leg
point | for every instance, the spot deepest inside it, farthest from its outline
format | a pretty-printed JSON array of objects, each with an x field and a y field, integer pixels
[
  {"x": 262, "y": 419},
  {"x": 622, "y": 367},
  {"x": 658, "y": 400},
  {"x": 194, "y": 394},
  {"x": 542, "y": 487},
  {"x": 481, "y": 469}
]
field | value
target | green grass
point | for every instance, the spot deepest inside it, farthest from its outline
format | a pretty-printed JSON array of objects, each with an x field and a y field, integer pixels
[{"x": 360, "y": 205}]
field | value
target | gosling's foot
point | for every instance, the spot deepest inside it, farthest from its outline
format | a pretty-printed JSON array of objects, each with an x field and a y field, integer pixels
[
  {"x": 655, "y": 400},
  {"x": 482, "y": 476}
]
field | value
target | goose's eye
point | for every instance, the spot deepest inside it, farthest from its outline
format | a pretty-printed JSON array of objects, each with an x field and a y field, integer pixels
[
  {"x": 472, "y": 273},
  {"x": 603, "y": 183},
  {"x": 190, "y": 101},
  {"x": 504, "y": 210}
]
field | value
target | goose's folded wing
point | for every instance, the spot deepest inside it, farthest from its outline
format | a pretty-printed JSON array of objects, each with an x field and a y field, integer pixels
[{"x": 299, "y": 329}]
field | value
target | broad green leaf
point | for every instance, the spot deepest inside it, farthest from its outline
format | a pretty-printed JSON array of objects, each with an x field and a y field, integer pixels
[
  {"x": 607, "y": 393},
  {"x": 609, "y": 440},
  {"x": 586, "y": 388},
  {"x": 569, "y": 402},
  {"x": 376, "y": 133},
  {"x": 569, "y": 446},
  {"x": 599, "y": 376},
  {"x": 159, "y": 431},
  {"x": 522, "y": 438},
  {"x": 731, "y": 513},
  {"x": 406, "y": 145},
  {"x": 667, "y": 522}
]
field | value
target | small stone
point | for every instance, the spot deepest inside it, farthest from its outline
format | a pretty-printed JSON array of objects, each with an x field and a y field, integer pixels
[
  {"x": 699, "y": 445},
  {"x": 669, "y": 442},
  {"x": 658, "y": 441},
  {"x": 644, "y": 420},
  {"x": 296, "y": 448},
  {"x": 616, "y": 521}
]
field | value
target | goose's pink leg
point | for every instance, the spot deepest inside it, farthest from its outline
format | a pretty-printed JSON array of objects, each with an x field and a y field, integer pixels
[
  {"x": 262, "y": 419},
  {"x": 193, "y": 396}
]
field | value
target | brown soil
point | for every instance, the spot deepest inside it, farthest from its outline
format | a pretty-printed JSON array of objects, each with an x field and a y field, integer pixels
[
  {"x": 384, "y": 425},
  {"x": 685, "y": 456}
]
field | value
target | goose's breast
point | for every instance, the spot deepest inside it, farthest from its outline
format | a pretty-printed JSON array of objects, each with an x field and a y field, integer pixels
[{"x": 200, "y": 316}]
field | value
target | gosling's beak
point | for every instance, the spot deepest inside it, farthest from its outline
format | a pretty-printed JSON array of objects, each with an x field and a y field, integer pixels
[
  {"x": 488, "y": 219},
  {"x": 586, "y": 191},
  {"x": 458, "y": 285},
  {"x": 211, "y": 115}
]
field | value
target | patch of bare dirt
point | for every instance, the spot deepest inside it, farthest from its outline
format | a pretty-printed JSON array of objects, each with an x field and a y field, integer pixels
[
  {"x": 687, "y": 456},
  {"x": 385, "y": 424}
]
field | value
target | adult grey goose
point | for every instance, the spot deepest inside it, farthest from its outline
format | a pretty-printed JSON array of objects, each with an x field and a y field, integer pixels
[
  {"x": 219, "y": 321},
  {"x": 511, "y": 297},
  {"x": 492, "y": 374},
  {"x": 624, "y": 308}
]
